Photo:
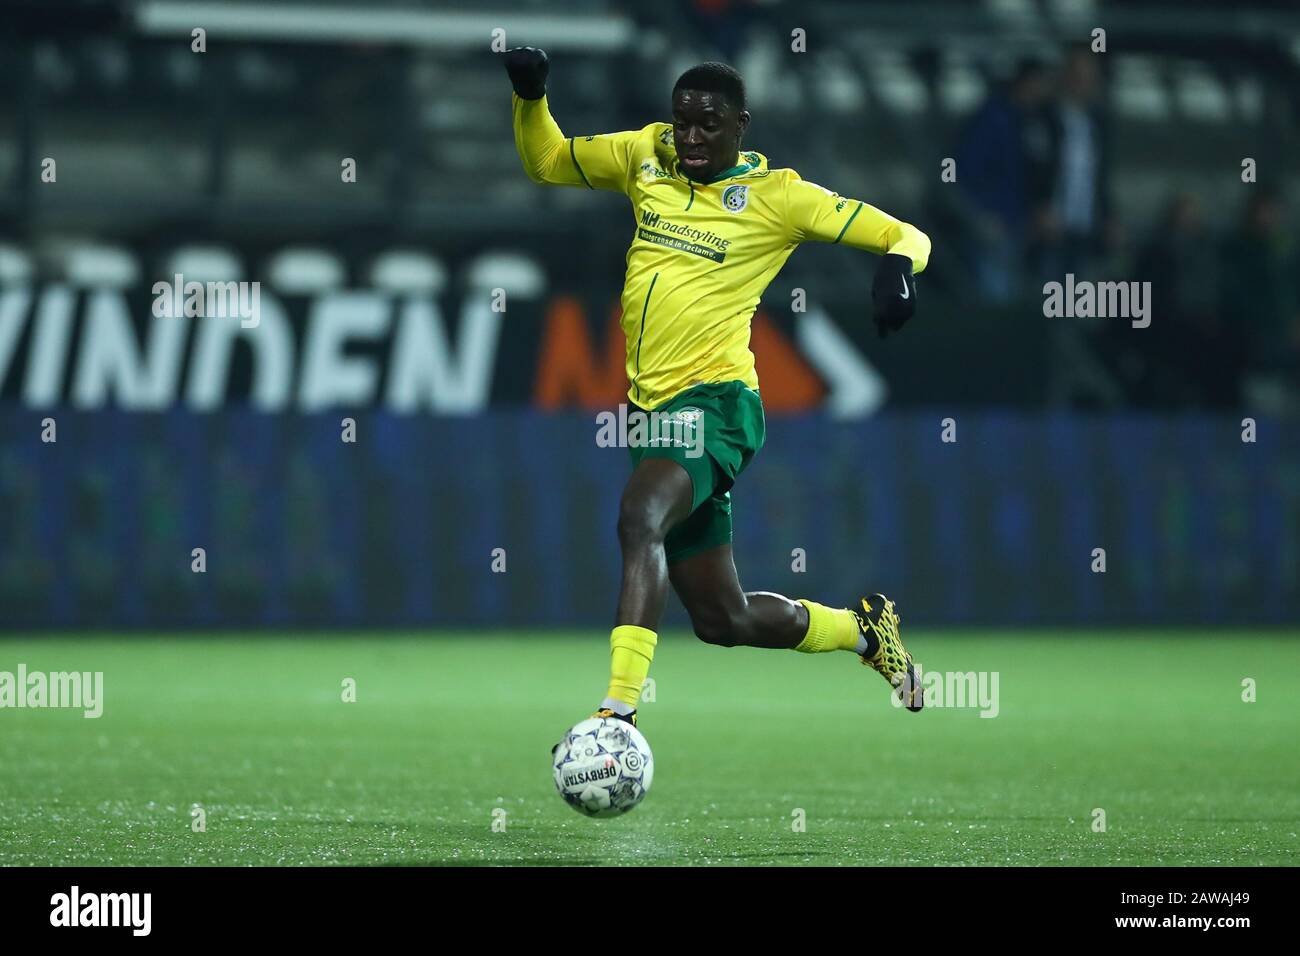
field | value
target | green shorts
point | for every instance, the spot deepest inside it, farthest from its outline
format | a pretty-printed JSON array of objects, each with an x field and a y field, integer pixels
[{"x": 713, "y": 431}]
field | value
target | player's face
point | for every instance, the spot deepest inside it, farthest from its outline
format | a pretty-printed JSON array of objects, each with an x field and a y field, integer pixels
[{"x": 706, "y": 131}]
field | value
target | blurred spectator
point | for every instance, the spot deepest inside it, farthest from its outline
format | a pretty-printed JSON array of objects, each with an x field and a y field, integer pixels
[
  {"x": 1071, "y": 224},
  {"x": 1189, "y": 356},
  {"x": 1071, "y": 230},
  {"x": 722, "y": 23},
  {"x": 1261, "y": 303},
  {"x": 1002, "y": 173}
]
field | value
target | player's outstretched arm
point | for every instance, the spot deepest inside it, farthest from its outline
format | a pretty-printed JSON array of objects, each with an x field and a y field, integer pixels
[
  {"x": 538, "y": 138},
  {"x": 819, "y": 215},
  {"x": 597, "y": 162}
]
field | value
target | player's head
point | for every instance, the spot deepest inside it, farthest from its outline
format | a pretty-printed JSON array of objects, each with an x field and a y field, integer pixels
[{"x": 709, "y": 119}]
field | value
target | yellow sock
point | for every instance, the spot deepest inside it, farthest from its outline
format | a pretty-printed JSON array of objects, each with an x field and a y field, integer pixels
[
  {"x": 829, "y": 629},
  {"x": 631, "y": 649}
]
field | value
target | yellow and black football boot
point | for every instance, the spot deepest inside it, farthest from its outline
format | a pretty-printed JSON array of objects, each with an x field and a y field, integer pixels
[
  {"x": 885, "y": 652},
  {"x": 608, "y": 712}
]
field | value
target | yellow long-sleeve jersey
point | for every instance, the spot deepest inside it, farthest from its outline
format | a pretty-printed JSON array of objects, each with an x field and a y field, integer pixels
[{"x": 702, "y": 254}]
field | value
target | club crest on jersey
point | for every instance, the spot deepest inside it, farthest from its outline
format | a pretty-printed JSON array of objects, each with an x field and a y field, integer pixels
[{"x": 735, "y": 198}]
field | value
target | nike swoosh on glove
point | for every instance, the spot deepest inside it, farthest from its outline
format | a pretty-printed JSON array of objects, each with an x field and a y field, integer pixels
[
  {"x": 528, "y": 68},
  {"x": 893, "y": 293}
]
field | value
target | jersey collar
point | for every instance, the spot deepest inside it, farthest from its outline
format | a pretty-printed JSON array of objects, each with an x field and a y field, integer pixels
[{"x": 748, "y": 163}]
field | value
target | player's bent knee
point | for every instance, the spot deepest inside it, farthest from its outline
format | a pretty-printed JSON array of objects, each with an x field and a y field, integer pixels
[{"x": 636, "y": 525}]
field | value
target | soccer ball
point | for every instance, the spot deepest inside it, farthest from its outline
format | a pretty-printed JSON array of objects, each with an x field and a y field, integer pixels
[{"x": 603, "y": 767}]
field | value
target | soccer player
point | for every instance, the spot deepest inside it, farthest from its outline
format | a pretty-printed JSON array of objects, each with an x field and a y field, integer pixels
[{"x": 714, "y": 225}]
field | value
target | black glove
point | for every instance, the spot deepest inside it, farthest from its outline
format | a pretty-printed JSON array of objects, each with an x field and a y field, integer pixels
[
  {"x": 893, "y": 293},
  {"x": 528, "y": 67}
]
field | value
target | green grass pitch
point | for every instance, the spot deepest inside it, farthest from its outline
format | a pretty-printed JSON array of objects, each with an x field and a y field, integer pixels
[{"x": 448, "y": 728}]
